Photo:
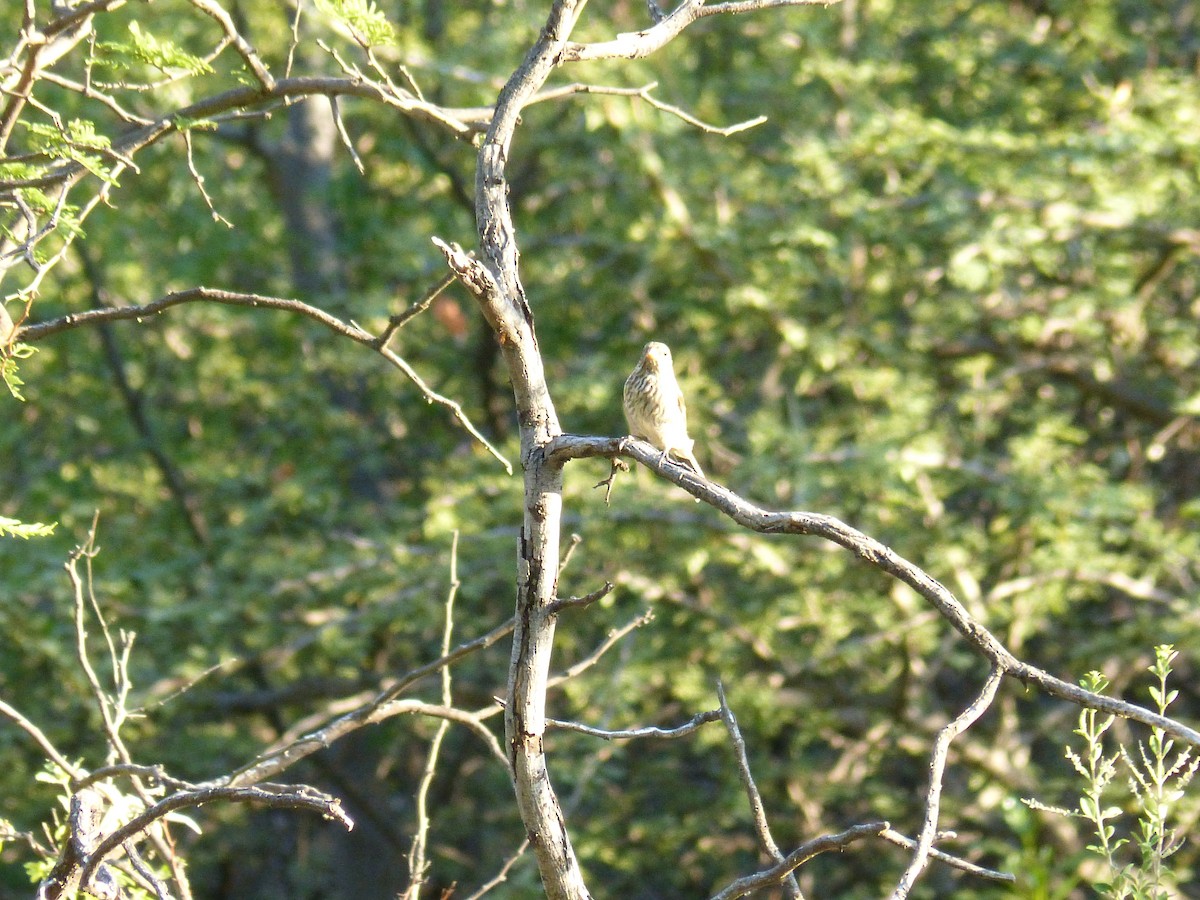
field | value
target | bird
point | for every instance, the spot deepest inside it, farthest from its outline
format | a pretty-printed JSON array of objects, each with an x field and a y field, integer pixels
[{"x": 654, "y": 406}]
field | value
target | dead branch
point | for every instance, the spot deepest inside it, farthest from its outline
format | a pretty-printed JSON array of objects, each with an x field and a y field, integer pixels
[
  {"x": 937, "y": 767},
  {"x": 874, "y": 553},
  {"x": 42, "y": 330},
  {"x": 799, "y": 857},
  {"x": 648, "y": 731},
  {"x": 762, "y": 828}
]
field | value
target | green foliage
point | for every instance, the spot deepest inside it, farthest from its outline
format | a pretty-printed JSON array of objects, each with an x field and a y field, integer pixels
[
  {"x": 15, "y": 528},
  {"x": 158, "y": 53},
  {"x": 1157, "y": 782},
  {"x": 368, "y": 24},
  {"x": 72, "y": 142},
  {"x": 9, "y": 369},
  {"x": 946, "y": 292}
]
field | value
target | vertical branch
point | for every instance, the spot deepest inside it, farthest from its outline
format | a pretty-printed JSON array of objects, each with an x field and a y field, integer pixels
[
  {"x": 790, "y": 885},
  {"x": 504, "y": 305},
  {"x": 937, "y": 768},
  {"x": 112, "y": 706},
  {"x": 417, "y": 864}
]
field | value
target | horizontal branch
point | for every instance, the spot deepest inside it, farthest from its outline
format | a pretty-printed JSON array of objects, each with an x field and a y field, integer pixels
[
  {"x": 649, "y": 731},
  {"x": 576, "y": 602},
  {"x": 954, "y": 862},
  {"x": 799, "y": 856},
  {"x": 271, "y": 795},
  {"x": 569, "y": 446},
  {"x": 639, "y": 44},
  {"x": 41, "y": 330}
]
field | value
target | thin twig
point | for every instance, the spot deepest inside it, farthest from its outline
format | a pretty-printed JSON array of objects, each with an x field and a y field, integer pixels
[
  {"x": 501, "y": 876},
  {"x": 572, "y": 546},
  {"x": 280, "y": 758},
  {"x": 798, "y": 857},
  {"x": 39, "y": 738},
  {"x": 199, "y": 179},
  {"x": 41, "y": 330},
  {"x": 954, "y": 862},
  {"x": 762, "y": 828},
  {"x": 398, "y": 321},
  {"x": 937, "y": 767},
  {"x": 345, "y": 136},
  {"x": 244, "y": 48},
  {"x": 106, "y": 705},
  {"x": 648, "y": 731},
  {"x": 604, "y": 646},
  {"x": 417, "y": 863},
  {"x": 574, "y": 602}
]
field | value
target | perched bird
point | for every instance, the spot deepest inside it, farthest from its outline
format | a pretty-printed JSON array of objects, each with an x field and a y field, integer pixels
[{"x": 654, "y": 406}]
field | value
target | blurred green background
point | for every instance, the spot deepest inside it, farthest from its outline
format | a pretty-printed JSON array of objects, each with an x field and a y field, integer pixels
[{"x": 947, "y": 293}]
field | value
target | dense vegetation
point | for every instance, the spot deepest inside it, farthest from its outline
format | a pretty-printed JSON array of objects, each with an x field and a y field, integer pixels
[{"x": 947, "y": 292}]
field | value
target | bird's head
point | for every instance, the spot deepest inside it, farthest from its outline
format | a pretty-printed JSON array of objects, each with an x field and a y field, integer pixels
[{"x": 656, "y": 357}]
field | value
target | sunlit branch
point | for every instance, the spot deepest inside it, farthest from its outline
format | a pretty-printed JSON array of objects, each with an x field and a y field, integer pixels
[
  {"x": 762, "y": 828},
  {"x": 871, "y": 551},
  {"x": 42, "y": 330},
  {"x": 648, "y": 731},
  {"x": 642, "y": 43},
  {"x": 937, "y": 768}
]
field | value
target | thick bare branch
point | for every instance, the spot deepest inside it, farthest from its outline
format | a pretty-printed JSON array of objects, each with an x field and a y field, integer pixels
[
  {"x": 506, "y": 309},
  {"x": 874, "y": 553}
]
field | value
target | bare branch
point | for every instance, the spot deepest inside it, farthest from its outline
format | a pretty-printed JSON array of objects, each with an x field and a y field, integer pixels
[
  {"x": 790, "y": 885},
  {"x": 643, "y": 93},
  {"x": 798, "y": 857},
  {"x": 438, "y": 711},
  {"x": 199, "y": 179},
  {"x": 418, "y": 865},
  {"x": 153, "y": 774},
  {"x": 874, "y": 553},
  {"x": 335, "y": 109},
  {"x": 253, "y": 62},
  {"x": 278, "y": 796},
  {"x": 277, "y": 760},
  {"x": 501, "y": 876},
  {"x": 642, "y": 43},
  {"x": 398, "y": 321},
  {"x": 603, "y": 647},
  {"x": 649, "y": 731},
  {"x": 954, "y": 862},
  {"x": 937, "y": 768},
  {"x": 586, "y": 600},
  {"x": 39, "y": 738},
  {"x": 31, "y": 333}
]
